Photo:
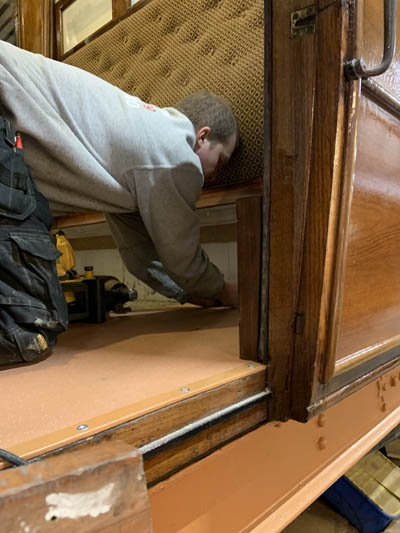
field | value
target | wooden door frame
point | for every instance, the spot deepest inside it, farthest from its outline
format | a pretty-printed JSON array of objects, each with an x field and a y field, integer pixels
[{"x": 35, "y": 26}]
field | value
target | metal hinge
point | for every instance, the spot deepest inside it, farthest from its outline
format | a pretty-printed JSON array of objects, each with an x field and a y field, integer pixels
[{"x": 302, "y": 22}]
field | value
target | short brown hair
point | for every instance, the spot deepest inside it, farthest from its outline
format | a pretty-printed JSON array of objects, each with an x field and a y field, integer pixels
[{"x": 207, "y": 109}]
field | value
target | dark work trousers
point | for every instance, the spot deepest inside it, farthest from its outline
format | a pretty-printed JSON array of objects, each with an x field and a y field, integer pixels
[{"x": 33, "y": 310}]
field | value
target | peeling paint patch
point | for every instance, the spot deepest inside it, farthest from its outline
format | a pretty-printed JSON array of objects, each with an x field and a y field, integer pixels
[{"x": 64, "y": 505}]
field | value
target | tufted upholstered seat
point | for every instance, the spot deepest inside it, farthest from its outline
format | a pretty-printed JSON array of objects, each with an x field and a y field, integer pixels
[{"x": 171, "y": 48}]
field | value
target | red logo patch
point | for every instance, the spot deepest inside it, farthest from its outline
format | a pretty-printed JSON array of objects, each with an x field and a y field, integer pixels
[{"x": 150, "y": 107}]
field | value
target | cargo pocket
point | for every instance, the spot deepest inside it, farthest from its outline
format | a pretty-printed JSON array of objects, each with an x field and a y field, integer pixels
[
  {"x": 34, "y": 257},
  {"x": 17, "y": 196}
]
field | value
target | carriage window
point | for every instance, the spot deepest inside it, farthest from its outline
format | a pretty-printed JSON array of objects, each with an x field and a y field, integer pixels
[{"x": 82, "y": 18}]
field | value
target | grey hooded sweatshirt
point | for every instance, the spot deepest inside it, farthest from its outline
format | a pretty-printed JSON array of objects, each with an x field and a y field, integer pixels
[{"x": 92, "y": 146}]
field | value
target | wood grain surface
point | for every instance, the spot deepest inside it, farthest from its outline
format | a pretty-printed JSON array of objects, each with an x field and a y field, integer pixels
[
  {"x": 347, "y": 311},
  {"x": 155, "y": 423},
  {"x": 293, "y": 84},
  {"x": 35, "y": 26},
  {"x": 322, "y": 206},
  {"x": 249, "y": 258},
  {"x": 91, "y": 490},
  {"x": 371, "y": 301},
  {"x": 349, "y": 289},
  {"x": 197, "y": 446}
]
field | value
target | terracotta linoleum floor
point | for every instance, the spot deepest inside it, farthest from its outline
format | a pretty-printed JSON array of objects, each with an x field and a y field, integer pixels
[{"x": 96, "y": 369}]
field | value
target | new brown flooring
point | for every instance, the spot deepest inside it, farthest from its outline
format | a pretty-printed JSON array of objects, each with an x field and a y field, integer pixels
[{"x": 98, "y": 368}]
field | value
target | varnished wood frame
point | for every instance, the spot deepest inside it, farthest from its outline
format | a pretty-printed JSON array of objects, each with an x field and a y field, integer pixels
[
  {"x": 120, "y": 10},
  {"x": 317, "y": 297},
  {"x": 329, "y": 368},
  {"x": 155, "y": 424},
  {"x": 315, "y": 380},
  {"x": 307, "y": 273},
  {"x": 249, "y": 238},
  {"x": 267, "y": 175},
  {"x": 342, "y": 191},
  {"x": 292, "y": 107},
  {"x": 36, "y": 35}
]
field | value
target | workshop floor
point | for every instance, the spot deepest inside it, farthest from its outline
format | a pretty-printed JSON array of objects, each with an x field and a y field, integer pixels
[{"x": 320, "y": 517}]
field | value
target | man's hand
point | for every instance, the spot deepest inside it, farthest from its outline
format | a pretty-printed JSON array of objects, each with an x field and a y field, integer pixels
[{"x": 229, "y": 296}]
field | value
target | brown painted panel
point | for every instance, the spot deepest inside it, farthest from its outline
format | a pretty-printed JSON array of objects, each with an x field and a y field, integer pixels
[
  {"x": 276, "y": 471},
  {"x": 370, "y": 319}
]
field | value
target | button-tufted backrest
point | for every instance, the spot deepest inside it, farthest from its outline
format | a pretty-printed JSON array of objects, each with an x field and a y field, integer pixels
[{"x": 171, "y": 48}]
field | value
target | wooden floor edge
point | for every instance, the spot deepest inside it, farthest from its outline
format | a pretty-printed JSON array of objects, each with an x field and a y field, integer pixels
[
  {"x": 180, "y": 453},
  {"x": 296, "y": 504},
  {"x": 133, "y": 415}
]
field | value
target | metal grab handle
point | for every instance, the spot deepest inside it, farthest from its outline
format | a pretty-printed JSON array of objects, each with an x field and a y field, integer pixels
[{"x": 356, "y": 68}]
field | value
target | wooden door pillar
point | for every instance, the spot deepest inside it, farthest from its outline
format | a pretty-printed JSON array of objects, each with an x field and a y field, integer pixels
[{"x": 249, "y": 213}]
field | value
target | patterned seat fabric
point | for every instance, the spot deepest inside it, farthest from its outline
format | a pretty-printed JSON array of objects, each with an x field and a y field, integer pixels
[{"x": 171, "y": 48}]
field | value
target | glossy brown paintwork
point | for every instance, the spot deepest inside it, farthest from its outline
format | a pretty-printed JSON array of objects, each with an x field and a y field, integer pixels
[
  {"x": 371, "y": 301},
  {"x": 275, "y": 472}
]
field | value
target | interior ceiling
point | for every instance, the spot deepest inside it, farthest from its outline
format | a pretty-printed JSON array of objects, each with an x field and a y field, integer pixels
[{"x": 7, "y": 20}]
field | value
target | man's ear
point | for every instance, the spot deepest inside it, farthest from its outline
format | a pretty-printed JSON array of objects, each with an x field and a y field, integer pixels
[{"x": 201, "y": 135}]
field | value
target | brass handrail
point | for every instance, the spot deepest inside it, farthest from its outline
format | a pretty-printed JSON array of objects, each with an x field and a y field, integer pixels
[{"x": 357, "y": 68}]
